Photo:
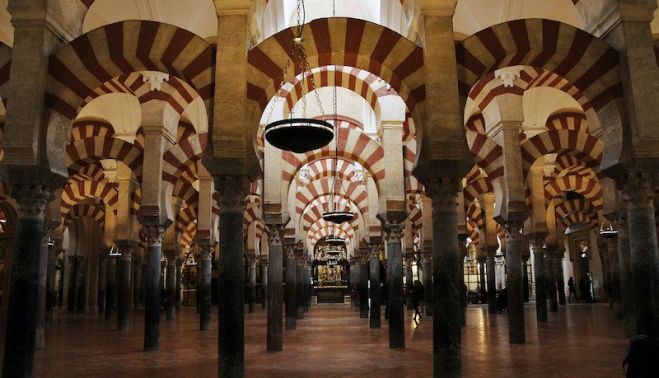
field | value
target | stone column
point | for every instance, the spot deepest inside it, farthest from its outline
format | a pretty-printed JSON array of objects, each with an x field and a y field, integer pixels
[
  {"x": 74, "y": 263},
  {"x": 614, "y": 276},
  {"x": 275, "y": 339},
  {"x": 291, "y": 288},
  {"x": 123, "y": 283},
  {"x": 363, "y": 285},
  {"x": 40, "y": 331},
  {"x": 111, "y": 288},
  {"x": 102, "y": 280},
  {"x": 515, "y": 283},
  {"x": 539, "y": 273},
  {"x": 251, "y": 286},
  {"x": 154, "y": 235},
  {"x": 550, "y": 250},
  {"x": 22, "y": 309},
  {"x": 138, "y": 273},
  {"x": 602, "y": 248},
  {"x": 626, "y": 282},
  {"x": 641, "y": 222},
  {"x": 51, "y": 293},
  {"x": 409, "y": 278},
  {"x": 491, "y": 281},
  {"x": 299, "y": 285},
  {"x": 354, "y": 280},
  {"x": 481, "y": 271},
  {"x": 374, "y": 270},
  {"x": 179, "y": 278},
  {"x": 558, "y": 274},
  {"x": 307, "y": 285},
  {"x": 426, "y": 261},
  {"x": 446, "y": 281},
  {"x": 394, "y": 233},
  {"x": 231, "y": 330},
  {"x": 205, "y": 248},
  {"x": 170, "y": 282},
  {"x": 264, "y": 281}
]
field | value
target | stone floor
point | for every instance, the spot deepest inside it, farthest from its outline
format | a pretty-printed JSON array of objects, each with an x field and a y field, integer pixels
[{"x": 332, "y": 341}]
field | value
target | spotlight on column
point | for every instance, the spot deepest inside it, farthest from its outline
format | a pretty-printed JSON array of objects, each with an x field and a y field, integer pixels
[{"x": 114, "y": 251}]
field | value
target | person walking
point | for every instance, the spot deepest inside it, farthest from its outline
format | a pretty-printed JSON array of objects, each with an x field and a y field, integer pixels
[
  {"x": 417, "y": 297},
  {"x": 573, "y": 290}
]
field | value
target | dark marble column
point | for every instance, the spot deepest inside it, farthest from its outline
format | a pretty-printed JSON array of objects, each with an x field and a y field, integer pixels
[
  {"x": 641, "y": 221},
  {"x": 111, "y": 287},
  {"x": 299, "y": 287},
  {"x": 481, "y": 271},
  {"x": 515, "y": 283},
  {"x": 307, "y": 286},
  {"x": 231, "y": 279},
  {"x": 551, "y": 278},
  {"x": 447, "y": 331},
  {"x": 426, "y": 260},
  {"x": 264, "y": 282},
  {"x": 626, "y": 280},
  {"x": 540, "y": 279},
  {"x": 179, "y": 278},
  {"x": 124, "y": 264},
  {"x": 170, "y": 283},
  {"x": 363, "y": 286},
  {"x": 40, "y": 330},
  {"x": 102, "y": 280},
  {"x": 205, "y": 269},
  {"x": 275, "y": 339},
  {"x": 614, "y": 276},
  {"x": 74, "y": 263},
  {"x": 409, "y": 278},
  {"x": 560, "y": 277},
  {"x": 291, "y": 288},
  {"x": 374, "y": 273},
  {"x": 354, "y": 281},
  {"x": 394, "y": 233},
  {"x": 251, "y": 284},
  {"x": 22, "y": 308},
  {"x": 152, "y": 285},
  {"x": 525, "y": 280},
  {"x": 139, "y": 273},
  {"x": 491, "y": 281},
  {"x": 51, "y": 292}
]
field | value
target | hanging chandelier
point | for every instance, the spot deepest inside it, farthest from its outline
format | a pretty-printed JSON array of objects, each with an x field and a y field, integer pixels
[
  {"x": 334, "y": 240},
  {"x": 608, "y": 232},
  {"x": 334, "y": 215},
  {"x": 299, "y": 134}
]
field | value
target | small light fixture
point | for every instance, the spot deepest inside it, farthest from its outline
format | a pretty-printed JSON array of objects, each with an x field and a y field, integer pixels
[
  {"x": 190, "y": 260},
  {"x": 608, "y": 232},
  {"x": 114, "y": 251}
]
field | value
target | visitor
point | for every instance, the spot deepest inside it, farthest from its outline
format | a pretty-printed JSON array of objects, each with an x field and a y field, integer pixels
[
  {"x": 417, "y": 297},
  {"x": 586, "y": 288},
  {"x": 573, "y": 290}
]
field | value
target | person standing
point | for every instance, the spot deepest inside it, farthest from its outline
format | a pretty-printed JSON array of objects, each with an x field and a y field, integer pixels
[
  {"x": 573, "y": 290},
  {"x": 417, "y": 297}
]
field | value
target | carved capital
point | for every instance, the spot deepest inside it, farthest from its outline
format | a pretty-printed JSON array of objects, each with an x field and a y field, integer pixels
[
  {"x": 153, "y": 234},
  {"x": 513, "y": 230},
  {"x": 289, "y": 250},
  {"x": 205, "y": 250},
  {"x": 32, "y": 199},
  {"x": 232, "y": 191},
  {"x": 443, "y": 190},
  {"x": 393, "y": 231},
  {"x": 639, "y": 189},
  {"x": 276, "y": 233}
]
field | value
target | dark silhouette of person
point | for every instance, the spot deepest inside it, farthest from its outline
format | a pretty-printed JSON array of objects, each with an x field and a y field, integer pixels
[
  {"x": 585, "y": 288},
  {"x": 573, "y": 290},
  {"x": 417, "y": 297}
]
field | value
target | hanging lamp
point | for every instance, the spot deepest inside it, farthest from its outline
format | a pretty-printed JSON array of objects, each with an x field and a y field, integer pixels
[
  {"x": 334, "y": 215},
  {"x": 299, "y": 134},
  {"x": 334, "y": 240},
  {"x": 608, "y": 232}
]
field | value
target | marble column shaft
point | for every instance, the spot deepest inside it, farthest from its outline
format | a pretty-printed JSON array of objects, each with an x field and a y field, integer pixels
[
  {"x": 152, "y": 285},
  {"x": 26, "y": 257},
  {"x": 102, "y": 281},
  {"x": 491, "y": 282},
  {"x": 560, "y": 277},
  {"x": 374, "y": 273},
  {"x": 275, "y": 338},
  {"x": 251, "y": 270},
  {"x": 551, "y": 279},
  {"x": 206, "y": 265},
  {"x": 51, "y": 293},
  {"x": 299, "y": 289},
  {"x": 427, "y": 283},
  {"x": 515, "y": 283},
  {"x": 124, "y": 264},
  {"x": 363, "y": 288},
  {"x": 626, "y": 279},
  {"x": 396, "y": 306},
  {"x": 539, "y": 273},
  {"x": 111, "y": 288},
  {"x": 264, "y": 284},
  {"x": 291, "y": 289},
  {"x": 644, "y": 252},
  {"x": 170, "y": 288},
  {"x": 409, "y": 278},
  {"x": 40, "y": 332},
  {"x": 614, "y": 277}
]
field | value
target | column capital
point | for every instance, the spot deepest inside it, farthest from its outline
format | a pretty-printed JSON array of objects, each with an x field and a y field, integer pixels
[
  {"x": 443, "y": 191},
  {"x": 393, "y": 230},
  {"x": 275, "y": 233},
  {"x": 639, "y": 188},
  {"x": 513, "y": 230},
  {"x": 232, "y": 191},
  {"x": 289, "y": 250},
  {"x": 205, "y": 249},
  {"x": 153, "y": 234},
  {"x": 32, "y": 199}
]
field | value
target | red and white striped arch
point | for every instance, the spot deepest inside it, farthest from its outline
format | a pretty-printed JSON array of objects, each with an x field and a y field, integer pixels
[
  {"x": 111, "y": 51},
  {"x": 345, "y": 42},
  {"x": 95, "y": 212},
  {"x": 576, "y": 211},
  {"x": 179, "y": 156},
  {"x": 475, "y": 184},
  {"x": 487, "y": 153},
  {"x": 584, "y": 147},
  {"x": 353, "y": 146},
  {"x": 76, "y": 191},
  {"x": 88, "y": 172},
  {"x": 321, "y": 228},
  {"x": 355, "y": 191},
  {"x": 587, "y": 186},
  {"x": 319, "y": 206},
  {"x": 93, "y": 150}
]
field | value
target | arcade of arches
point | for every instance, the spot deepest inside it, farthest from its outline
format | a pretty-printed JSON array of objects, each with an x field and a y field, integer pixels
[{"x": 500, "y": 152}]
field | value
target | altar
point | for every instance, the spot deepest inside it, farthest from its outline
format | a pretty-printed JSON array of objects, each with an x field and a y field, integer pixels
[{"x": 330, "y": 276}]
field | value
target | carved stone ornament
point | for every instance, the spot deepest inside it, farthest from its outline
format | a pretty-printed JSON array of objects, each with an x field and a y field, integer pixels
[
  {"x": 394, "y": 231},
  {"x": 232, "y": 191},
  {"x": 153, "y": 234},
  {"x": 205, "y": 250},
  {"x": 276, "y": 233},
  {"x": 509, "y": 75},
  {"x": 32, "y": 199},
  {"x": 289, "y": 251},
  {"x": 639, "y": 189},
  {"x": 444, "y": 193},
  {"x": 513, "y": 230},
  {"x": 374, "y": 250},
  {"x": 155, "y": 79}
]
